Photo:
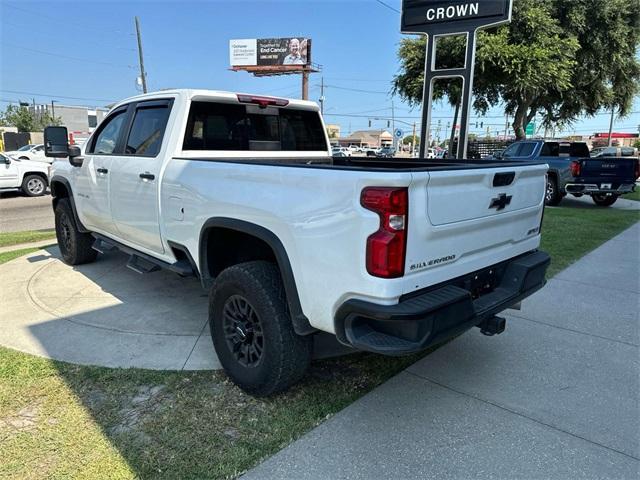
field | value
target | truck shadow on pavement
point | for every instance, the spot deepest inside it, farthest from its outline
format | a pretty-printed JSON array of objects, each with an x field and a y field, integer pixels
[{"x": 104, "y": 314}]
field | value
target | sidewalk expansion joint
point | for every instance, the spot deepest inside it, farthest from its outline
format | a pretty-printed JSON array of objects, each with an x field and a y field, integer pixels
[
  {"x": 506, "y": 409},
  {"x": 595, "y": 285},
  {"x": 573, "y": 331},
  {"x": 194, "y": 345}
]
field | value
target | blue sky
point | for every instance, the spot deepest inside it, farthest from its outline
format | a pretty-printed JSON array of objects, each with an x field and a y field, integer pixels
[{"x": 87, "y": 50}]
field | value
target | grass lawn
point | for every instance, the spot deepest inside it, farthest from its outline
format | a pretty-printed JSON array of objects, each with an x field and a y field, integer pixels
[
  {"x": 60, "y": 420},
  {"x": 16, "y": 238},
  {"x": 6, "y": 256},
  {"x": 633, "y": 195}
]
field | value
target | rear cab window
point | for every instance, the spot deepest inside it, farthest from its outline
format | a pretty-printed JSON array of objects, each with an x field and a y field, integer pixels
[{"x": 236, "y": 127}]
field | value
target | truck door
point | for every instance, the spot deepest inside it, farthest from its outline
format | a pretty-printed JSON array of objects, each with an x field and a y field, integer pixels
[
  {"x": 8, "y": 172},
  {"x": 135, "y": 183},
  {"x": 93, "y": 179}
]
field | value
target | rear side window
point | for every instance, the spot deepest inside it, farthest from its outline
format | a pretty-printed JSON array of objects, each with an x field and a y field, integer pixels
[
  {"x": 578, "y": 150},
  {"x": 147, "y": 130},
  {"x": 220, "y": 126},
  {"x": 107, "y": 138},
  {"x": 550, "y": 149}
]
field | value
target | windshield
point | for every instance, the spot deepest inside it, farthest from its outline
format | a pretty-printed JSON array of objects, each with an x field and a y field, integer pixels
[{"x": 25, "y": 148}]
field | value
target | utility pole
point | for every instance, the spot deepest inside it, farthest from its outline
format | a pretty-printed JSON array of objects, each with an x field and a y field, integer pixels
[
  {"x": 322, "y": 95},
  {"x": 613, "y": 112},
  {"x": 413, "y": 140},
  {"x": 393, "y": 126},
  {"x": 305, "y": 84},
  {"x": 142, "y": 74},
  {"x": 506, "y": 127}
]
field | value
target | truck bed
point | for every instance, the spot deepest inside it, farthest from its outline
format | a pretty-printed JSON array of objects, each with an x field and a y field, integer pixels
[{"x": 369, "y": 164}]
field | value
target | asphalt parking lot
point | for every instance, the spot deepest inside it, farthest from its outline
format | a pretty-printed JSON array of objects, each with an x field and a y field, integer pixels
[{"x": 20, "y": 213}]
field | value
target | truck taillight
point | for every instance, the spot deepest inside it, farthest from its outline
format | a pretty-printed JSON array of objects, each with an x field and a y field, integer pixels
[
  {"x": 575, "y": 168},
  {"x": 637, "y": 168},
  {"x": 386, "y": 248},
  {"x": 262, "y": 101}
]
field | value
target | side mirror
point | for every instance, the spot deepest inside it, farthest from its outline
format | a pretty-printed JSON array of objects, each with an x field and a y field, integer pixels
[
  {"x": 5, "y": 160},
  {"x": 74, "y": 156},
  {"x": 56, "y": 144}
]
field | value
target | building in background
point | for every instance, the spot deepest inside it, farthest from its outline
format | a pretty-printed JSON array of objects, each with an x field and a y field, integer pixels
[
  {"x": 80, "y": 121},
  {"x": 368, "y": 138},
  {"x": 333, "y": 132}
]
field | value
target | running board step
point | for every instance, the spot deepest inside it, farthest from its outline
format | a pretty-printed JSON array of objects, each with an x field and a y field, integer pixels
[
  {"x": 140, "y": 265},
  {"x": 101, "y": 246}
]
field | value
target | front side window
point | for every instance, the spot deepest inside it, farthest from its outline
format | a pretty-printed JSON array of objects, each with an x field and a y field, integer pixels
[
  {"x": 147, "y": 131},
  {"x": 526, "y": 149},
  {"x": 107, "y": 139},
  {"x": 220, "y": 126}
]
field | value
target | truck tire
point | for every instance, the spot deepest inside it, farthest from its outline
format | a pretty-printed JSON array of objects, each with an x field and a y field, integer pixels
[
  {"x": 75, "y": 246},
  {"x": 552, "y": 196},
  {"x": 252, "y": 330},
  {"x": 604, "y": 200},
  {"x": 34, "y": 186}
]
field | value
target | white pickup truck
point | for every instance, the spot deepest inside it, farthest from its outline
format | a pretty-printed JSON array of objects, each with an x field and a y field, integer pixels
[
  {"x": 390, "y": 255},
  {"x": 28, "y": 176}
]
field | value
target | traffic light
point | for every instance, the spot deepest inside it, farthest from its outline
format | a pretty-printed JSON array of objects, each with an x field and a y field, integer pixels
[{"x": 369, "y": 123}]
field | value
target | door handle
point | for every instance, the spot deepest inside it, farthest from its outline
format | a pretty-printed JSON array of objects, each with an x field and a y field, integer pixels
[
  {"x": 103, "y": 171},
  {"x": 147, "y": 176}
]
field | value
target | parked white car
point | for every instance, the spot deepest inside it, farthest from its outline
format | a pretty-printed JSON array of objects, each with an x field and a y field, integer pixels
[
  {"x": 26, "y": 175},
  {"x": 30, "y": 152},
  {"x": 341, "y": 151},
  {"x": 388, "y": 256}
]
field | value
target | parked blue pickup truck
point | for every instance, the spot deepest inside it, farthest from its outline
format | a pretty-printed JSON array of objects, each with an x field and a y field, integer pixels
[{"x": 572, "y": 170}]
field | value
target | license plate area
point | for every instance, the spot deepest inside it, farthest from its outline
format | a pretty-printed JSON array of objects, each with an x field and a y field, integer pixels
[
  {"x": 483, "y": 282},
  {"x": 605, "y": 186}
]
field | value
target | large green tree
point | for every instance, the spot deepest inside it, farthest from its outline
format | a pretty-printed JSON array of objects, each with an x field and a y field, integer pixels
[
  {"x": 24, "y": 119},
  {"x": 557, "y": 58}
]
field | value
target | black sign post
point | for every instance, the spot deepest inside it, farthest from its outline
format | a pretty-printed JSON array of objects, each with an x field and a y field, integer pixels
[{"x": 442, "y": 18}]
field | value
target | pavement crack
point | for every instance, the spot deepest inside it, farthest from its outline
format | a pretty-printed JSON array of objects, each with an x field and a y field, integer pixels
[{"x": 519, "y": 414}]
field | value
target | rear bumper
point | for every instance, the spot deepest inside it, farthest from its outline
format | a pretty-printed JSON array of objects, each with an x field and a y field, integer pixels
[
  {"x": 588, "y": 188},
  {"x": 430, "y": 317}
]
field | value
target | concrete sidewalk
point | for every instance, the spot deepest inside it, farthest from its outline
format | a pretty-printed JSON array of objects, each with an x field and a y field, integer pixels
[{"x": 555, "y": 396}]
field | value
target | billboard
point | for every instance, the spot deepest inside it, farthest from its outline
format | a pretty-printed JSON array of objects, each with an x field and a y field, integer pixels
[
  {"x": 446, "y": 16},
  {"x": 270, "y": 52}
]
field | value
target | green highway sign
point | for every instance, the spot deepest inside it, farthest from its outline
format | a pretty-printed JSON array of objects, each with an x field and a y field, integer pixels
[{"x": 531, "y": 129}]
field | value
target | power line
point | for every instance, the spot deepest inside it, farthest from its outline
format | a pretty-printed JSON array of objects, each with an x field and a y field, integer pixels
[
  {"x": 85, "y": 60},
  {"x": 65, "y": 22},
  {"x": 388, "y": 6},
  {"x": 51, "y": 35},
  {"x": 356, "y": 90},
  {"x": 48, "y": 95}
]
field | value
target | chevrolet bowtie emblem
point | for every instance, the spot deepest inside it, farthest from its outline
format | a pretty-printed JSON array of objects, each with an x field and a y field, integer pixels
[{"x": 501, "y": 201}]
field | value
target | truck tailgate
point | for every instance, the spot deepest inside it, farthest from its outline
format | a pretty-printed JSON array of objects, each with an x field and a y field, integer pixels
[
  {"x": 464, "y": 220},
  {"x": 604, "y": 168}
]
